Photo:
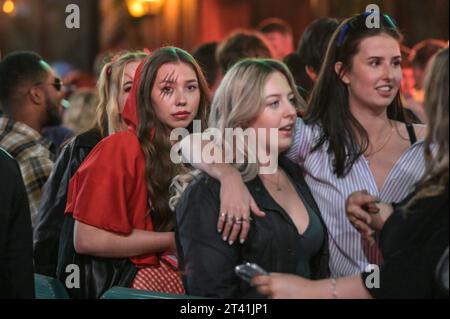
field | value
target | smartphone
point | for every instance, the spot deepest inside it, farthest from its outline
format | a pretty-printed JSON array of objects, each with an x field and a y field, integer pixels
[{"x": 248, "y": 270}]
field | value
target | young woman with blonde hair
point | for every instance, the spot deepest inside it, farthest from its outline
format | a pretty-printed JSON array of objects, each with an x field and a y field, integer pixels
[
  {"x": 353, "y": 136},
  {"x": 113, "y": 88},
  {"x": 292, "y": 236}
]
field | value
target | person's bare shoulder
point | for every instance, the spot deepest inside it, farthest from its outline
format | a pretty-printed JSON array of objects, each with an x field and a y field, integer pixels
[{"x": 421, "y": 131}]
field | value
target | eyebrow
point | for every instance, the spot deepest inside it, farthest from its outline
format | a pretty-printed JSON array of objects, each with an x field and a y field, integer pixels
[
  {"x": 169, "y": 81},
  {"x": 170, "y": 78},
  {"x": 128, "y": 76},
  {"x": 382, "y": 58},
  {"x": 278, "y": 95},
  {"x": 192, "y": 81}
]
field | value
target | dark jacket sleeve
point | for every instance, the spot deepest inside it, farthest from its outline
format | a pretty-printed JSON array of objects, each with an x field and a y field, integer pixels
[
  {"x": 51, "y": 215},
  {"x": 53, "y": 203},
  {"x": 206, "y": 260},
  {"x": 412, "y": 244},
  {"x": 16, "y": 248},
  {"x": 410, "y": 273}
]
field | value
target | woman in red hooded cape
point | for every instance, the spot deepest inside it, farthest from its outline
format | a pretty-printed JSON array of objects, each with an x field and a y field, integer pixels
[{"x": 119, "y": 196}]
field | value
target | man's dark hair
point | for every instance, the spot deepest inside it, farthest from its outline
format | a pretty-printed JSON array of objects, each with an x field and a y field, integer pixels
[
  {"x": 206, "y": 58},
  {"x": 19, "y": 69},
  {"x": 240, "y": 45},
  {"x": 274, "y": 25},
  {"x": 314, "y": 42},
  {"x": 423, "y": 51},
  {"x": 312, "y": 48}
]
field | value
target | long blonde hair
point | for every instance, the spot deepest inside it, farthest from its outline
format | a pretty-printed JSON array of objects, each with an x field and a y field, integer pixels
[
  {"x": 435, "y": 179},
  {"x": 239, "y": 100},
  {"x": 109, "y": 85}
]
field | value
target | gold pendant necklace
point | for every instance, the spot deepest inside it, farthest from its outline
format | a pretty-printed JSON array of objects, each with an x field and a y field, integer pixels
[{"x": 371, "y": 154}]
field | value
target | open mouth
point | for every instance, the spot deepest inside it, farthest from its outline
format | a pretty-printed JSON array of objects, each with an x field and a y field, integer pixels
[
  {"x": 287, "y": 129},
  {"x": 385, "y": 88}
]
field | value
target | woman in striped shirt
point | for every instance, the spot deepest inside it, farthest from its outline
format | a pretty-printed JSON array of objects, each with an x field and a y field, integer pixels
[
  {"x": 414, "y": 233},
  {"x": 353, "y": 137}
]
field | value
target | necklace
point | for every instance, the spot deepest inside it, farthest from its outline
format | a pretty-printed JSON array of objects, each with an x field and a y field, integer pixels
[
  {"x": 371, "y": 154},
  {"x": 277, "y": 184}
]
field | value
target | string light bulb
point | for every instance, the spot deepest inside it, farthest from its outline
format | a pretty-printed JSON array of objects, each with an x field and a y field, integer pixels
[
  {"x": 9, "y": 7},
  {"x": 140, "y": 8}
]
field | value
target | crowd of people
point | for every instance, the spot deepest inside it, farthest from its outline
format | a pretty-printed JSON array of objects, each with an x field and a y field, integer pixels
[{"x": 361, "y": 181}]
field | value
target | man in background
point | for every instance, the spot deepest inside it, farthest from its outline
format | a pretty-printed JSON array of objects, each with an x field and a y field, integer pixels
[{"x": 30, "y": 96}]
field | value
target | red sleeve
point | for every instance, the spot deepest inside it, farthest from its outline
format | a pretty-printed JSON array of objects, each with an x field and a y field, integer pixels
[{"x": 108, "y": 188}]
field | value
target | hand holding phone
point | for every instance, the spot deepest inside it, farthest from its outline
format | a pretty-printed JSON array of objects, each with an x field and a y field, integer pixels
[{"x": 248, "y": 270}]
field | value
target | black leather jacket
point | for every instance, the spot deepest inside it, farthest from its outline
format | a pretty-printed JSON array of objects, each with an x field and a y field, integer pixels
[
  {"x": 208, "y": 262},
  {"x": 53, "y": 203},
  {"x": 54, "y": 247}
]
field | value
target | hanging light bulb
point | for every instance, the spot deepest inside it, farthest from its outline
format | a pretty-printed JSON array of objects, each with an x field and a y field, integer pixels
[
  {"x": 9, "y": 7},
  {"x": 140, "y": 8}
]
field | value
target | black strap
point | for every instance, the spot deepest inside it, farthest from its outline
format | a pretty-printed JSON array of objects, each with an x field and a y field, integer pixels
[{"x": 411, "y": 133}]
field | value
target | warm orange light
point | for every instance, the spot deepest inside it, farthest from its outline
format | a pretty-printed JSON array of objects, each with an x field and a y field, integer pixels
[
  {"x": 140, "y": 8},
  {"x": 9, "y": 7},
  {"x": 136, "y": 8}
]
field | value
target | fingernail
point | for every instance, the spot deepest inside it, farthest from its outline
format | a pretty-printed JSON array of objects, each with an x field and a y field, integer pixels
[
  {"x": 224, "y": 238},
  {"x": 219, "y": 230},
  {"x": 242, "y": 241},
  {"x": 230, "y": 242}
]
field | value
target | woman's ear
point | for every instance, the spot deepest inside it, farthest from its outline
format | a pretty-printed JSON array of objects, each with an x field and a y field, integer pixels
[
  {"x": 338, "y": 68},
  {"x": 311, "y": 73}
]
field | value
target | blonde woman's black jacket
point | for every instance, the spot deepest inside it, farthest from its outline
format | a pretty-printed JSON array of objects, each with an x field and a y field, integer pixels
[{"x": 207, "y": 262}]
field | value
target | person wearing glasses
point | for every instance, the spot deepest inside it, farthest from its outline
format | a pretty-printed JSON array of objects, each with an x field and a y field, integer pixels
[
  {"x": 30, "y": 95},
  {"x": 353, "y": 137}
]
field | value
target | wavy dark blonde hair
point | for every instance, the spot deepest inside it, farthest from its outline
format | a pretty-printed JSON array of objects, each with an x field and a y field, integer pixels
[
  {"x": 435, "y": 179},
  {"x": 238, "y": 101},
  {"x": 109, "y": 85},
  {"x": 159, "y": 169}
]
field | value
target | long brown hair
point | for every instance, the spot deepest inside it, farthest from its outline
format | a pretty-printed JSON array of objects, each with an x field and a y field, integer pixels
[
  {"x": 159, "y": 169},
  {"x": 329, "y": 105},
  {"x": 435, "y": 179}
]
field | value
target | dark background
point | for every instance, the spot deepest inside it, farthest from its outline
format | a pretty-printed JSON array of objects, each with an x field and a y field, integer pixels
[{"x": 39, "y": 25}]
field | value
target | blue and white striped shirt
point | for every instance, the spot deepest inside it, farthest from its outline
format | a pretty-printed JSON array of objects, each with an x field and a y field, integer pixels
[{"x": 346, "y": 252}]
